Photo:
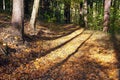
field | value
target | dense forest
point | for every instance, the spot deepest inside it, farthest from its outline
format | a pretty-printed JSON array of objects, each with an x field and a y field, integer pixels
[{"x": 59, "y": 39}]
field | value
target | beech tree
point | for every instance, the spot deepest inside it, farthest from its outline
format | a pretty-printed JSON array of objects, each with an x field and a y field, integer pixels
[
  {"x": 107, "y": 5},
  {"x": 18, "y": 18},
  {"x": 34, "y": 14}
]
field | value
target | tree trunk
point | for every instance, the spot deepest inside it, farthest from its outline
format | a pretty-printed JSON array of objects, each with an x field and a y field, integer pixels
[
  {"x": 4, "y": 5},
  {"x": 85, "y": 13},
  {"x": 34, "y": 14},
  {"x": 67, "y": 12},
  {"x": 81, "y": 20},
  {"x": 18, "y": 18},
  {"x": 107, "y": 5}
]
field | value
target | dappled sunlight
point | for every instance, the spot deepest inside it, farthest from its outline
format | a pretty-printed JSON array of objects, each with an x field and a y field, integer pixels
[
  {"x": 104, "y": 54},
  {"x": 104, "y": 58},
  {"x": 56, "y": 57},
  {"x": 66, "y": 38},
  {"x": 81, "y": 54},
  {"x": 63, "y": 52},
  {"x": 59, "y": 40}
]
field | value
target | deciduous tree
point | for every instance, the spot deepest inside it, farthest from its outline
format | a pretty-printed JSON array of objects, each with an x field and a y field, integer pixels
[
  {"x": 34, "y": 14},
  {"x": 107, "y": 5},
  {"x": 18, "y": 18}
]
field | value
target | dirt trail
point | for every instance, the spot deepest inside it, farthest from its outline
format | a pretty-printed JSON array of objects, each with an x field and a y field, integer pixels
[
  {"x": 53, "y": 57},
  {"x": 70, "y": 54},
  {"x": 88, "y": 63},
  {"x": 63, "y": 40},
  {"x": 81, "y": 55}
]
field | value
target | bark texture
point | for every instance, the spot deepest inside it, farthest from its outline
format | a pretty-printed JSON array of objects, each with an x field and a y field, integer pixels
[
  {"x": 107, "y": 5},
  {"x": 85, "y": 13},
  {"x": 18, "y": 18},
  {"x": 67, "y": 12},
  {"x": 34, "y": 14}
]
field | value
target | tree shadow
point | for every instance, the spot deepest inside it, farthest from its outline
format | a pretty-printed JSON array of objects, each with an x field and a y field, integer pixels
[
  {"x": 41, "y": 54},
  {"x": 4, "y": 24},
  {"x": 111, "y": 43},
  {"x": 87, "y": 70},
  {"x": 4, "y": 20},
  {"x": 91, "y": 69},
  {"x": 33, "y": 55},
  {"x": 68, "y": 30},
  {"x": 48, "y": 51},
  {"x": 4, "y": 57},
  {"x": 114, "y": 39},
  {"x": 116, "y": 45},
  {"x": 4, "y": 61},
  {"x": 53, "y": 38},
  {"x": 66, "y": 59}
]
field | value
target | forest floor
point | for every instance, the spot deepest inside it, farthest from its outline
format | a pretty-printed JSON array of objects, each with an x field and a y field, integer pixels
[{"x": 60, "y": 52}]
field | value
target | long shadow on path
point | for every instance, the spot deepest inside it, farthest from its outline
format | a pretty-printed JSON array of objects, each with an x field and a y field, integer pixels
[
  {"x": 35, "y": 55},
  {"x": 46, "y": 52},
  {"x": 66, "y": 59},
  {"x": 39, "y": 37},
  {"x": 116, "y": 45}
]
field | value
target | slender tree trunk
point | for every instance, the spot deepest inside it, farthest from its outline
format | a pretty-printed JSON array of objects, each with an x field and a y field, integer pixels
[
  {"x": 4, "y": 5},
  {"x": 75, "y": 14},
  {"x": 18, "y": 18},
  {"x": 67, "y": 12},
  {"x": 107, "y": 5},
  {"x": 34, "y": 14},
  {"x": 85, "y": 13},
  {"x": 81, "y": 19}
]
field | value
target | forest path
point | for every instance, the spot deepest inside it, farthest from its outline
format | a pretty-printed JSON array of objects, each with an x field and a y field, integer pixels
[
  {"x": 57, "y": 55},
  {"x": 81, "y": 55},
  {"x": 69, "y": 46},
  {"x": 94, "y": 60}
]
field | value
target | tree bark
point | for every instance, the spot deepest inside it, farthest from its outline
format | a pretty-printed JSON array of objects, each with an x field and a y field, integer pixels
[
  {"x": 34, "y": 14},
  {"x": 85, "y": 13},
  {"x": 18, "y": 18},
  {"x": 81, "y": 19},
  {"x": 4, "y": 5},
  {"x": 67, "y": 12},
  {"x": 107, "y": 5}
]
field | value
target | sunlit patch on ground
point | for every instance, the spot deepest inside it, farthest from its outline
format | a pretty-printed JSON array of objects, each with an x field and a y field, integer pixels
[
  {"x": 78, "y": 55},
  {"x": 101, "y": 51},
  {"x": 104, "y": 58}
]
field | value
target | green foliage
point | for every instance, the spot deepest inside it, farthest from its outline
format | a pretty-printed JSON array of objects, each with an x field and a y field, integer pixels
[
  {"x": 115, "y": 21},
  {"x": 55, "y": 12}
]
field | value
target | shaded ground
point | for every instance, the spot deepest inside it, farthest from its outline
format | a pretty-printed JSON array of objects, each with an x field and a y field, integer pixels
[{"x": 67, "y": 52}]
